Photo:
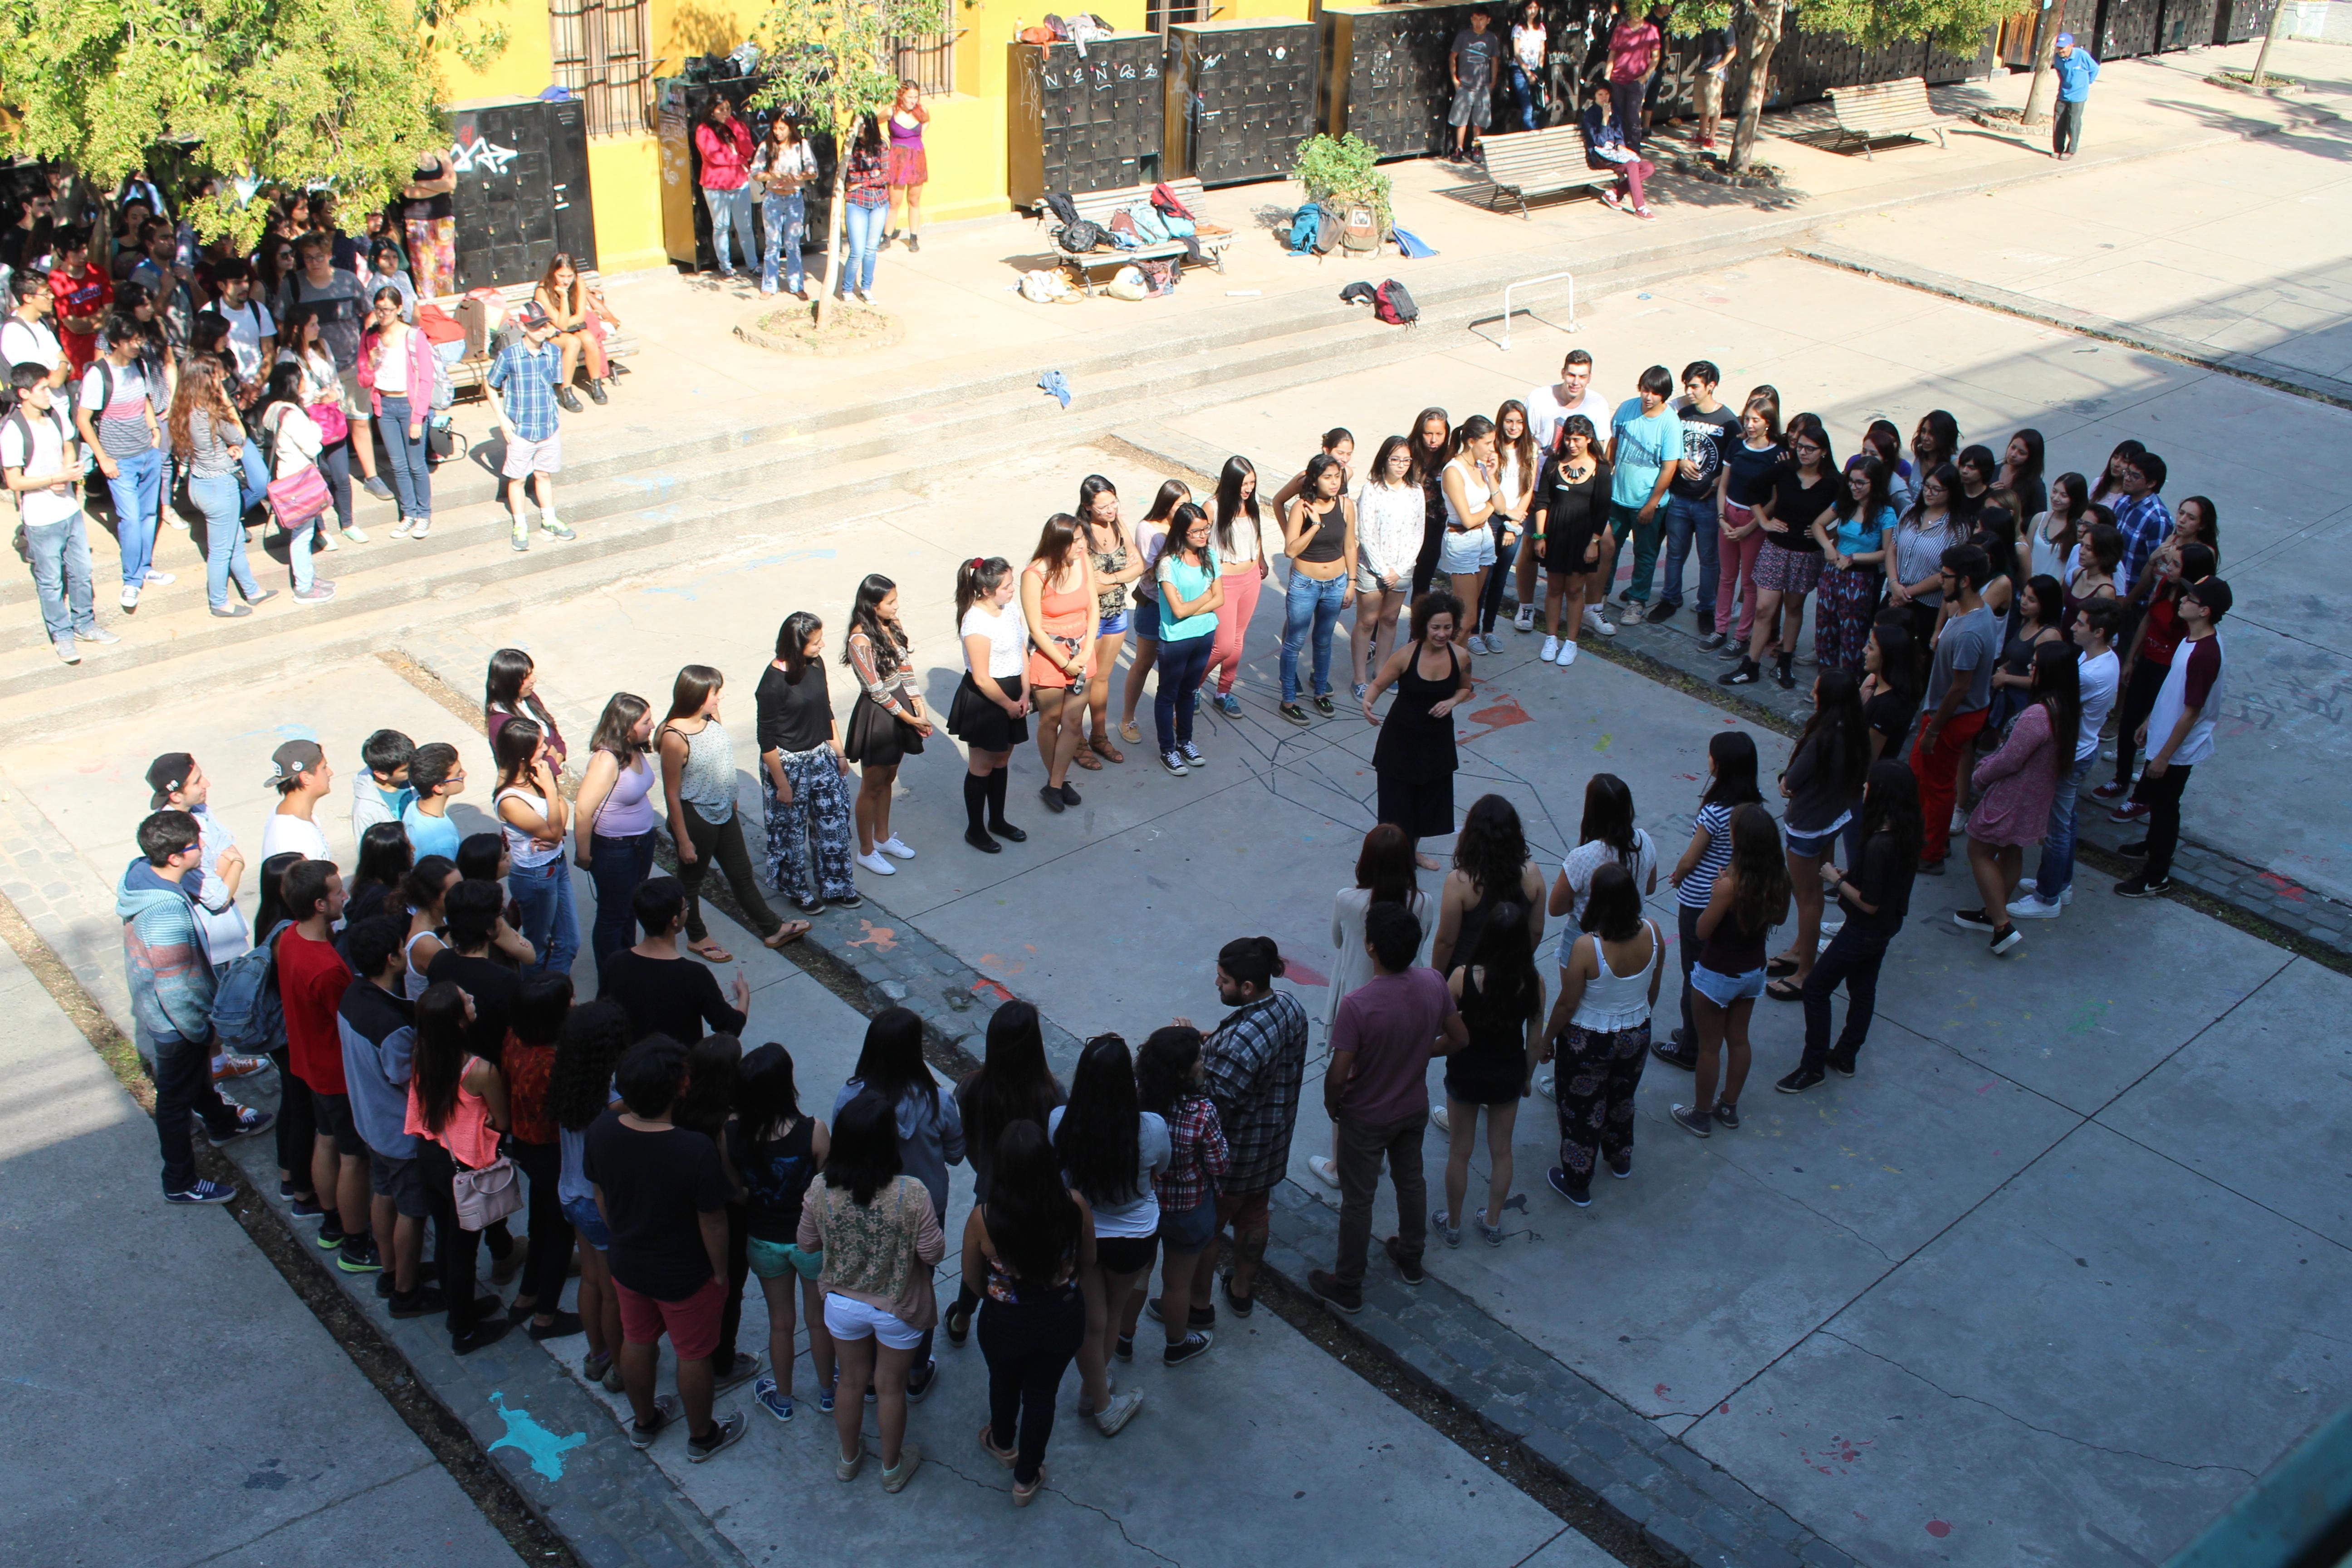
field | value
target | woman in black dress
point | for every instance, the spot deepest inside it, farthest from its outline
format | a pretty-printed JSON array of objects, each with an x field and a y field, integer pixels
[
  {"x": 1433, "y": 444},
  {"x": 1413, "y": 760},
  {"x": 1501, "y": 998},
  {"x": 1571, "y": 507}
]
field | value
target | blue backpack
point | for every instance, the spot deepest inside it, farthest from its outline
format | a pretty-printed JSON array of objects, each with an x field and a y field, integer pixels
[
  {"x": 1306, "y": 229},
  {"x": 248, "y": 1016}
]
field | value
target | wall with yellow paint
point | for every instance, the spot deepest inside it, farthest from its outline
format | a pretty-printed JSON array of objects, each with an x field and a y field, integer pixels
[{"x": 965, "y": 142}]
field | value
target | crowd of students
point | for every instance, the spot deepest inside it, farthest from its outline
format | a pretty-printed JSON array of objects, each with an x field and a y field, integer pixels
[{"x": 206, "y": 390}]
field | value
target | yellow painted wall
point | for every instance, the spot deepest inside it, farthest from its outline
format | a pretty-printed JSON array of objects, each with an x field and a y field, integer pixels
[{"x": 965, "y": 140}]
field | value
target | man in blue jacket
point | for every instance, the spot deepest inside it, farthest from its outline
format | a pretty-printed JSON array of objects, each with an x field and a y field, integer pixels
[
  {"x": 171, "y": 976},
  {"x": 2077, "y": 71}
]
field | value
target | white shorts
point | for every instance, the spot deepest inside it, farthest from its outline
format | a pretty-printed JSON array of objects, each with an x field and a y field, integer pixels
[
  {"x": 528, "y": 457},
  {"x": 847, "y": 1318},
  {"x": 1467, "y": 552}
]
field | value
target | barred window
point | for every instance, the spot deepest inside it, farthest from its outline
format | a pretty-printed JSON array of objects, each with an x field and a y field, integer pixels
[
  {"x": 601, "y": 57},
  {"x": 1158, "y": 16},
  {"x": 926, "y": 59}
]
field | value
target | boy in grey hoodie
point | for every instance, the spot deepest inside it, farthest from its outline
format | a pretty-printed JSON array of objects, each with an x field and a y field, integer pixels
[{"x": 171, "y": 978}]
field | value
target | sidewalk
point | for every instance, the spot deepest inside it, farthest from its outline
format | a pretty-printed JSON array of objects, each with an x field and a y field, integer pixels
[{"x": 168, "y": 1400}]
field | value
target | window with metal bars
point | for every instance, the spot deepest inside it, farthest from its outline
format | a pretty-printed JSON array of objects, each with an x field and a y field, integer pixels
[
  {"x": 1158, "y": 16},
  {"x": 926, "y": 59},
  {"x": 601, "y": 57}
]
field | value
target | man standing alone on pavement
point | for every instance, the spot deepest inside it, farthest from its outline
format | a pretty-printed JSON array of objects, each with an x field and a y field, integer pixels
[
  {"x": 1474, "y": 58},
  {"x": 1377, "y": 1090},
  {"x": 2077, "y": 71}
]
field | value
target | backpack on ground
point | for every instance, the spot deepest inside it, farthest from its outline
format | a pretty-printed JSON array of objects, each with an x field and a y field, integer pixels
[
  {"x": 1360, "y": 230},
  {"x": 1394, "y": 305},
  {"x": 248, "y": 1016},
  {"x": 1044, "y": 288},
  {"x": 1159, "y": 276},
  {"x": 1308, "y": 231}
]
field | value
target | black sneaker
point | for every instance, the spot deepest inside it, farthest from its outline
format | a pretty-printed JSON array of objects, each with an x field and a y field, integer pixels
[
  {"x": 922, "y": 1380},
  {"x": 1582, "y": 1197},
  {"x": 358, "y": 1256},
  {"x": 1346, "y": 1297},
  {"x": 1746, "y": 673},
  {"x": 2144, "y": 886},
  {"x": 957, "y": 1323},
  {"x": 2136, "y": 849},
  {"x": 1192, "y": 1346},
  {"x": 1784, "y": 676},
  {"x": 1239, "y": 1306},
  {"x": 1972, "y": 919},
  {"x": 1801, "y": 1080},
  {"x": 488, "y": 1332},
  {"x": 1324, "y": 705},
  {"x": 1840, "y": 1063},
  {"x": 1621, "y": 1169},
  {"x": 1069, "y": 795},
  {"x": 1691, "y": 1121},
  {"x": 1052, "y": 799},
  {"x": 1123, "y": 1347},
  {"x": 812, "y": 905},
  {"x": 1661, "y": 614},
  {"x": 1409, "y": 1269},
  {"x": 426, "y": 1300},
  {"x": 723, "y": 1432},
  {"x": 1195, "y": 1316},
  {"x": 1294, "y": 713},
  {"x": 2006, "y": 938},
  {"x": 1686, "y": 1060},
  {"x": 1712, "y": 641},
  {"x": 848, "y": 900},
  {"x": 1727, "y": 1115}
]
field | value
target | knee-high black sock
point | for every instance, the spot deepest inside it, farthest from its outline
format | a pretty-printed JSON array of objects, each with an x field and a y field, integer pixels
[
  {"x": 997, "y": 782},
  {"x": 975, "y": 799}
]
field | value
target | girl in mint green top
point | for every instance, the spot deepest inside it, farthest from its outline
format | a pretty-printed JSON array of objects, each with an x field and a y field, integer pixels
[{"x": 1191, "y": 592}]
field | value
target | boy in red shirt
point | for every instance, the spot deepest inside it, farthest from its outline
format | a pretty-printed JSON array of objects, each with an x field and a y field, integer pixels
[
  {"x": 83, "y": 293},
  {"x": 312, "y": 976}
]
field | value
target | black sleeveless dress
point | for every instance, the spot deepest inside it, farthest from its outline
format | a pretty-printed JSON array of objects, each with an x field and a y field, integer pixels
[
  {"x": 1492, "y": 1068},
  {"x": 1415, "y": 758}
]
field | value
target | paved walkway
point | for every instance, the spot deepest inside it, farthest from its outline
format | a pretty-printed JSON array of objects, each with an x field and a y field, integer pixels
[{"x": 179, "y": 1405}]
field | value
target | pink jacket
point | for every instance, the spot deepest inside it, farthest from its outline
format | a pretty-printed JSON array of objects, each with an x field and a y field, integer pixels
[
  {"x": 724, "y": 155},
  {"x": 420, "y": 373}
]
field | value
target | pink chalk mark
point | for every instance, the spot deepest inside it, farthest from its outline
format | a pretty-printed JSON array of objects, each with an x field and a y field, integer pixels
[
  {"x": 1299, "y": 973},
  {"x": 1723, "y": 1408},
  {"x": 2281, "y": 886},
  {"x": 1659, "y": 1392},
  {"x": 985, "y": 986},
  {"x": 1938, "y": 1529},
  {"x": 881, "y": 939}
]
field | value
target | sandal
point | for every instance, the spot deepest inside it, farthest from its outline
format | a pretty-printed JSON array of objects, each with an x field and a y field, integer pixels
[
  {"x": 1085, "y": 759},
  {"x": 1783, "y": 964},
  {"x": 1785, "y": 990},
  {"x": 710, "y": 951},
  {"x": 791, "y": 931},
  {"x": 1101, "y": 747}
]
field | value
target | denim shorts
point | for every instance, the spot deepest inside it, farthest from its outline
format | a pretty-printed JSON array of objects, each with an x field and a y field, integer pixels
[
  {"x": 1817, "y": 846},
  {"x": 1466, "y": 552},
  {"x": 1113, "y": 625},
  {"x": 1143, "y": 617},
  {"x": 1193, "y": 1231},
  {"x": 589, "y": 1222},
  {"x": 1723, "y": 990}
]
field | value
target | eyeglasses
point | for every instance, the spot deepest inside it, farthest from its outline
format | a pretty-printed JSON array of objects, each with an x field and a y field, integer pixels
[{"x": 1807, "y": 446}]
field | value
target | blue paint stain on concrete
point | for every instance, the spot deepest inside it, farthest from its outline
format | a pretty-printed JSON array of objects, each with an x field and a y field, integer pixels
[{"x": 534, "y": 1442}]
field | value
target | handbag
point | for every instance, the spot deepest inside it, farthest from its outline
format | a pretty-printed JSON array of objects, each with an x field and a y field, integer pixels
[
  {"x": 488, "y": 1196},
  {"x": 299, "y": 497},
  {"x": 332, "y": 423}
]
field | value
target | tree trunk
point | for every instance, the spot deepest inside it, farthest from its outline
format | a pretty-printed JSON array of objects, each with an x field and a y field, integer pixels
[
  {"x": 1759, "y": 36},
  {"x": 2047, "y": 24},
  {"x": 2263, "y": 60},
  {"x": 836, "y": 239}
]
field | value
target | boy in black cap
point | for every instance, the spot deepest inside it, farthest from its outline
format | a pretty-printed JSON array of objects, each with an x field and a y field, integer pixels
[{"x": 299, "y": 773}]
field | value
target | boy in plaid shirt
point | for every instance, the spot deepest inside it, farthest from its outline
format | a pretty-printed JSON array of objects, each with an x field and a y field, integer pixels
[{"x": 522, "y": 384}]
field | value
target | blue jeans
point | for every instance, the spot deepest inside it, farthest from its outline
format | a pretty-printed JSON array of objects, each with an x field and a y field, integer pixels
[
  {"x": 730, "y": 209},
  {"x": 2056, "y": 872},
  {"x": 784, "y": 216},
  {"x": 544, "y": 894},
  {"x": 300, "y": 545},
  {"x": 412, "y": 476},
  {"x": 137, "y": 491},
  {"x": 1498, "y": 575},
  {"x": 1523, "y": 93},
  {"x": 864, "y": 241},
  {"x": 335, "y": 465},
  {"x": 1691, "y": 523},
  {"x": 616, "y": 866},
  {"x": 221, "y": 498},
  {"x": 1308, "y": 600},
  {"x": 1183, "y": 666},
  {"x": 257, "y": 475},
  {"x": 61, "y": 577}
]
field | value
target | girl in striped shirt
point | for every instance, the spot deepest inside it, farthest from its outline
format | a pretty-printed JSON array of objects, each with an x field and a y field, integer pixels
[{"x": 1731, "y": 784}]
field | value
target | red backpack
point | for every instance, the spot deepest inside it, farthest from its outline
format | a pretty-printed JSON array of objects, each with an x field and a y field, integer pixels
[{"x": 1391, "y": 304}]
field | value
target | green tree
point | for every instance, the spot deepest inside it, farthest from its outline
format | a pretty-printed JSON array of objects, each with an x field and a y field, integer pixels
[
  {"x": 339, "y": 93},
  {"x": 831, "y": 63}
]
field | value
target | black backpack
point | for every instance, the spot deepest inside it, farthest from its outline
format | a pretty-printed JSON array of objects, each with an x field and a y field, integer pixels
[{"x": 1394, "y": 305}]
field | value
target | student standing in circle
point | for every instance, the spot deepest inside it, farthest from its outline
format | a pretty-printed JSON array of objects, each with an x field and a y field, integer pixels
[
  {"x": 1191, "y": 591},
  {"x": 1168, "y": 1081},
  {"x": 1748, "y": 465},
  {"x": 772, "y": 1149},
  {"x": 1751, "y": 898},
  {"x": 1802, "y": 493},
  {"x": 1111, "y": 1149},
  {"x": 1731, "y": 784},
  {"x": 1318, "y": 534},
  {"x": 614, "y": 841},
  {"x": 1238, "y": 532},
  {"x": 804, "y": 773},
  {"x": 1515, "y": 488},
  {"x": 1387, "y": 536},
  {"x": 990, "y": 713},
  {"x": 1855, "y": 537},
  {"x": 784, "y": 166},
  {"x": 1058, "y": 608},
  {"x": 1500, "y": 997},
  {"x": 1472, "y": 491},
  {"x": 698, "y": 766},
  {"x": 1415, "y": 759},
  {"x": 1609, "y": 978},
  {"x": 886, "y": 723},
  {"x": 534, "y": 819},
  {"x": 1571, "y": 512},
  {"x": 1875, "y": 897},
  {"x": 1029, "y": 1240},
  {"x": 2020, "y": 782},
  {"x": 1823, "y": 787},
  {"x": 1432, "y": 447},
  {"x": 1117, "y": 572},
  {"x": 1150, "y": 534}
]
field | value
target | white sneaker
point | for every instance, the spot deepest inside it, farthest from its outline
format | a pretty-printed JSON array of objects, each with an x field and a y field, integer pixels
[
  {"x": 1567, "y": 655},
  {"x": 160, "y": 579},
  {"x": 1545, "y": 1084},
  {"x": 1550, "y": 649},
  {"x": 130, "y": 596},
  {"x": 401, "y": 532},
  {"x": 876, "y": 864},
  {"x": 1599, "y": 622},
  {"x": 895, "y": 849},
  {"x": 422, "y": 526},
  {"x": 2032, "y": 908},
  {"x": 327, "y": 540},
  {"x": 1325, "y": 1171},
  {"x": 356, "y": 534},
  {"x": 1525, "y": 621},
  {"x": 1437, "y": 1119},
  {"x": 172, "y": 517}
]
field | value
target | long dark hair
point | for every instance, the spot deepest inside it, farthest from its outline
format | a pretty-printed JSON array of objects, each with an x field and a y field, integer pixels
[
  {"x": 1891, "y": 805},
  {"x": 863, "y": 1157},
  {"x": 1378, "y": 474},
  {"x": 890, "y": 1063},
  {"x": 386, "y": 857},
  {"x": 792, "y": 640},
  {"x": 1956, "y": 500},
  {"x": 1055, "y": 541},
  {"x": 1609, "y": 817},
  {"x": 1761, "y": 892},
  {"x": 2058, "y": 685},
  {"x": 1091, "y": 487},
  {"x": 1847, "y": 508},
  {"x": 1012, "y": 1082},
  {"x": 624, "y": 710},
  {"x": 1898, "y": 664},
  {"x": 1176, "y": 546},
  {"x": 1733, "y": 753},
  {"x": 1172, "y": 494},
  {"x": 1524, "y": 446},
  {"x": 1231, "y": 504},
  {"x": 519, "y": 738},
  {"x": 1838, "y": 727},
  {"x": 712, "y": 1065},
  {"x": 1164, "y": 1068},
  {"x": 2071, "y": 515},
  {"x": 889, "y": 637},
  {"x": 1506, "y": 950},
  {"x": 1613, "y": 906},
  {"x": 1492, "y": 849},
  {"x": 1033, "y": 1221},
  {"x": 976, "y": 579},
  {"x": 1942, "y": 439},
  {"x": 690, "y": 691},
  {"x": 273, "y": 892},
  {"x": 2126, "y": 451},
  {"x": 1384, "y": 866},
  {"x": 767, "y": 1094},
  {"x": 2021, "y": 480},
  {"x": 542, "y": 1002},
  {"x": 440, "y": 1057},
  {"x": 502, "y": 689},
  {"x": 1428, "y": 460},
  {"x": 594, "y": 1035},
  {"x": 2049, "y": 601},
  {"x": 1099, "y": 1135}
]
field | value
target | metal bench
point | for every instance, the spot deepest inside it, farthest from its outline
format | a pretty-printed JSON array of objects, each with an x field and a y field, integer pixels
[
  {"x": 1096, "y": 207},
  {"x": 1523, "y": 163},
  {"x": 468, "y": 371},
  {"x": 1885, "y": 111}
]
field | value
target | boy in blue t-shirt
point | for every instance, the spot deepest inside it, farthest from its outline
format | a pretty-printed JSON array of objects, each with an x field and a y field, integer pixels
[{"x": 1645, "y": 449}]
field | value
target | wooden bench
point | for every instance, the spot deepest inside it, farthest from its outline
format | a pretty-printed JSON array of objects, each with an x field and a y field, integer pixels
[
  {"x": 1096, "y": 207},
  {"x": 1523, "y": 163},
  {"x": 468, "y": 371},
  {"x": 1885, "y": 111}
]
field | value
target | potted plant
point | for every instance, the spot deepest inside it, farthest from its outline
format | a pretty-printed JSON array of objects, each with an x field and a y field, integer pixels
[{"x": 1343, "y": 172}]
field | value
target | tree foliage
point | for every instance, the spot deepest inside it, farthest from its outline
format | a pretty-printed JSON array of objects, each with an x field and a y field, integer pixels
[
  {"x": 337, "y": 93},
  {"x": 1875, "y": 22}
]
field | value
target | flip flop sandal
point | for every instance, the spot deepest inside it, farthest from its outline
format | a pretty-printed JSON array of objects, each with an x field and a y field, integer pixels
[
  {"x": 1780, "y": 966},
  {"x": 1785, "y": 991},
  {"x": 1085, "y": 759},
  {"x": 711, "y": 952},
  {"x": 791, "y": 931},
  {"x": 1101, "y": 747}
]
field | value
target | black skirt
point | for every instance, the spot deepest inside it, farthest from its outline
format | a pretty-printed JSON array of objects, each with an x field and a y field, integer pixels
[
  {"x": 876, "y": 737},
  {"x": 1423, "y": 807},
  {"x": 983, "y": 725}
]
